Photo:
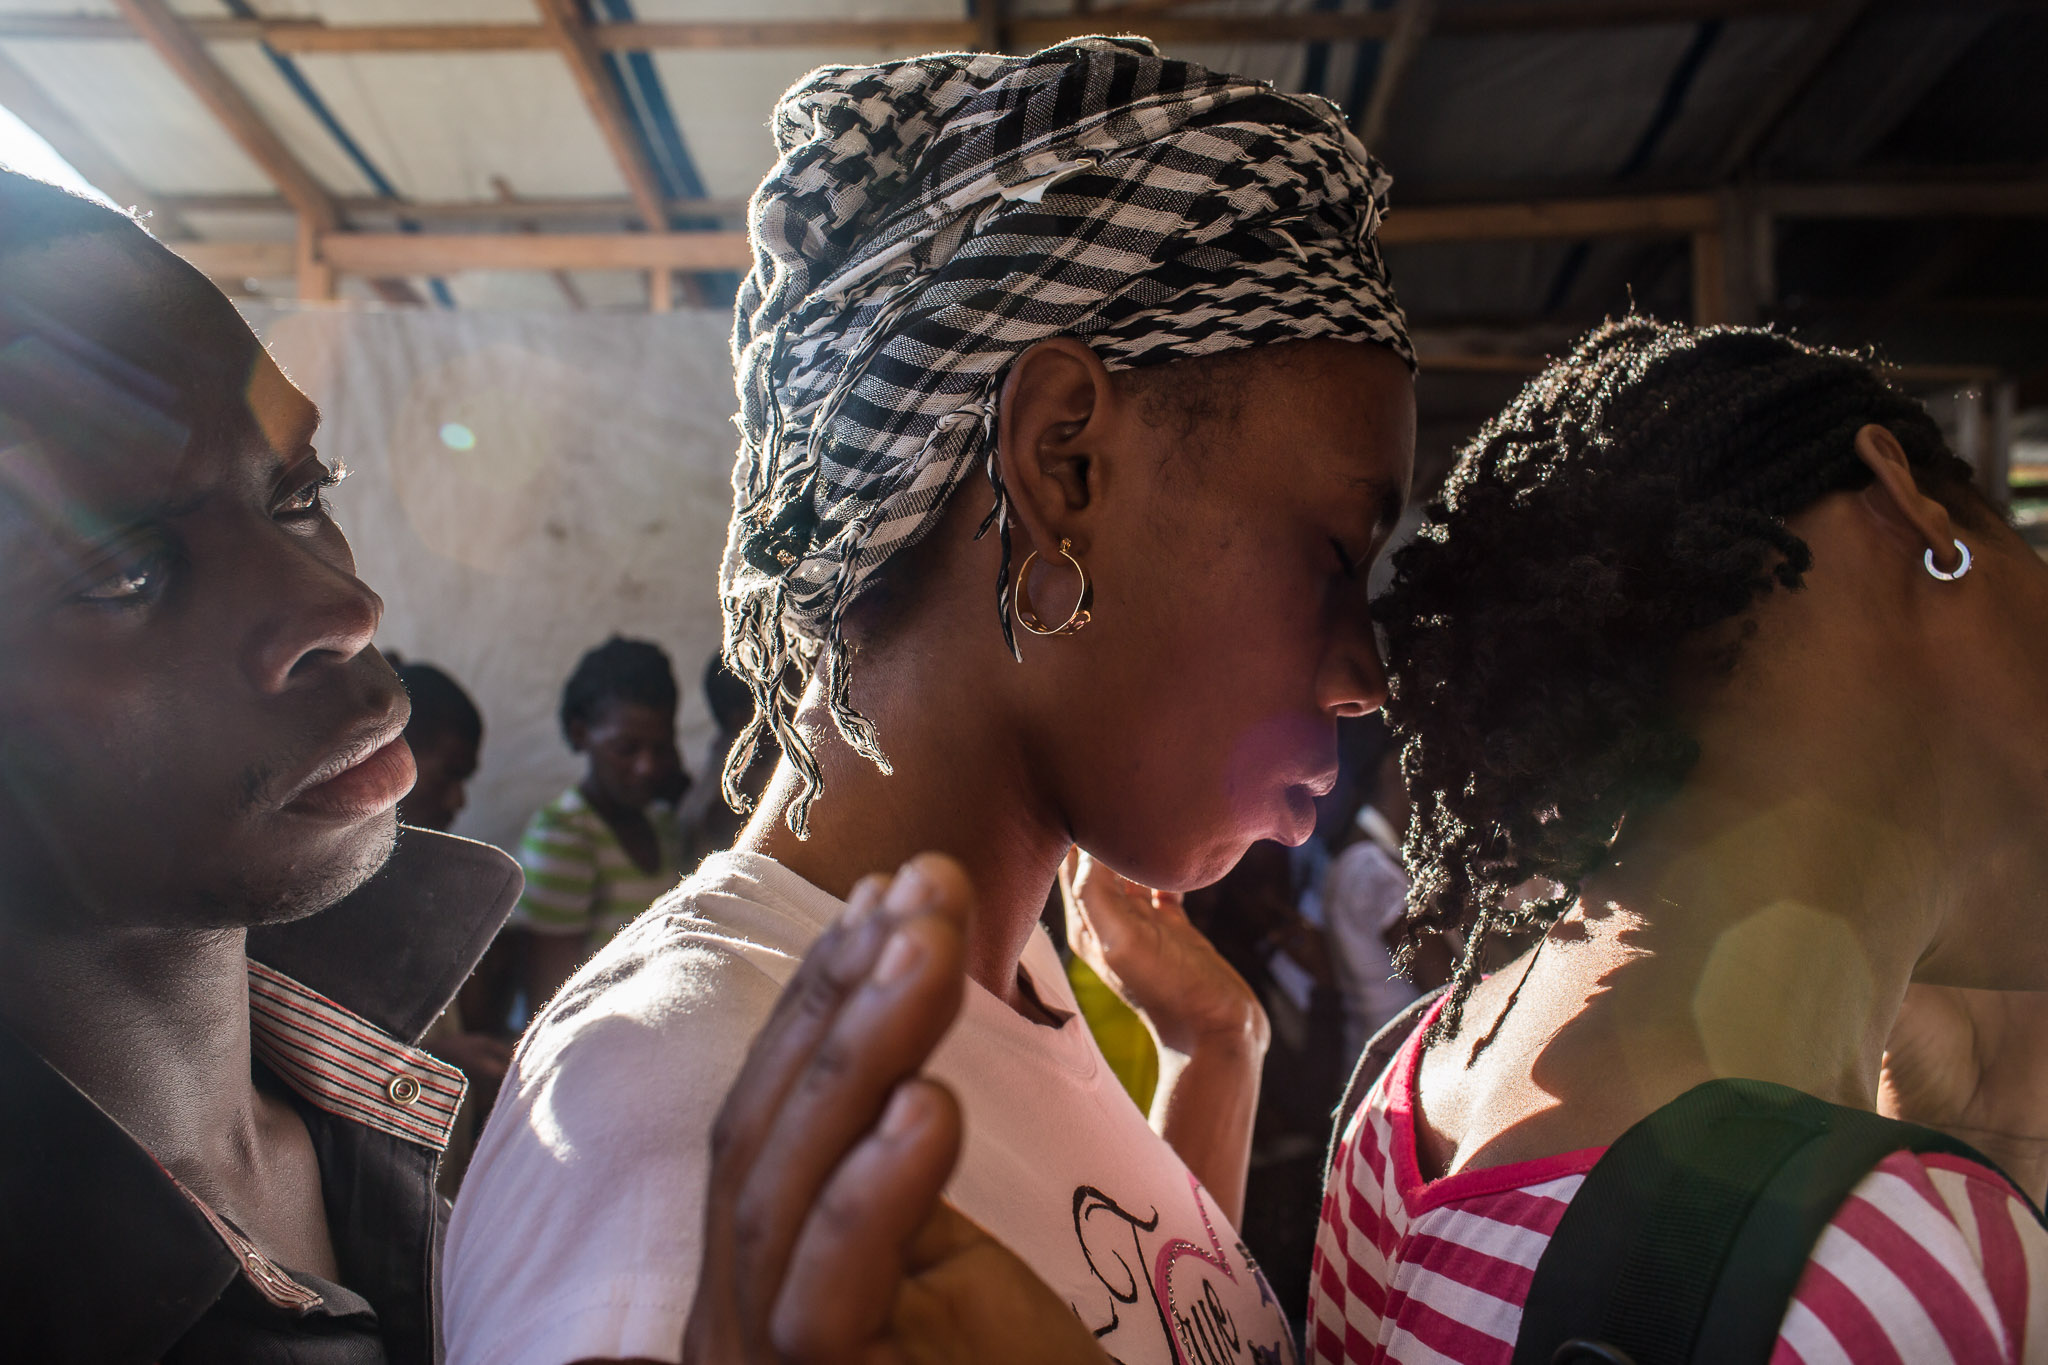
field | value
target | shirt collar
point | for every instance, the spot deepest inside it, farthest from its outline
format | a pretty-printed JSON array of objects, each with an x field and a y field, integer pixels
[{"x": 396, "y": 951}]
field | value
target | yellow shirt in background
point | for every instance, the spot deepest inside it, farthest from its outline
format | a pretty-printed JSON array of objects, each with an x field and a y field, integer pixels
[{"x": 1125, "y": 1041}]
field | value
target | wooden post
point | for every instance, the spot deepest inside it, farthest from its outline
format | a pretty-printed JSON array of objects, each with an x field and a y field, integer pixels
[
  {"x": 316, "y": 277},
  {"x": 1996, "y": 470},
  {"x": 1709, "y": 279},
  {"x": 992, "y": 28},
  {"x": 1742, "y": 291},
  {"x": 661, "y": 296}
]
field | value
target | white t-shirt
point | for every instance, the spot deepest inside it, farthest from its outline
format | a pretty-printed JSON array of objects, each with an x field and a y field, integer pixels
[{"x": 579, "y": 1227}]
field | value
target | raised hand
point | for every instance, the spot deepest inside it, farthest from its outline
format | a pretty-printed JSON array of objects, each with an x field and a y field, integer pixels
[
  {"x": 1140, "y": 941},
  {"x": 1211, "y": 1030},
  {"x": 1975, "y": 1064},
  {"x": 826, "y": 1242}
]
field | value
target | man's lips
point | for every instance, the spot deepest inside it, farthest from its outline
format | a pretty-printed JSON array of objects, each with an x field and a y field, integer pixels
[{"x": 366, "y": 778}]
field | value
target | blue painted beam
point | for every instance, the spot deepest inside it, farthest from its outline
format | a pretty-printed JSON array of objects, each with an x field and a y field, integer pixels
[{"x": 303, "y": 88}]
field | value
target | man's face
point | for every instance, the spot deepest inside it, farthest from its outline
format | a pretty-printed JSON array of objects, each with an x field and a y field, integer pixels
[{"x": 194, "y": 729}]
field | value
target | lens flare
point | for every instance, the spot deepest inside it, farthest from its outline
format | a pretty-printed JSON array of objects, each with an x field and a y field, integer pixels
[{"x": 456, "y": 436}]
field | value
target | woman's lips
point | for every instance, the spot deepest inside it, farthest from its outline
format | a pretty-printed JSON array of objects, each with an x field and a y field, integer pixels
[
  {"x": 1301, "y": 814},
  {"x": 368, "y": 788}
]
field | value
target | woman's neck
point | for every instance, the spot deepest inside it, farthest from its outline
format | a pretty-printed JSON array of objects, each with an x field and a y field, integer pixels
[
  {"x": 1761, "y": 924},
  {"x": 1774, "y": 943},
  {"x": 961, "y": 787}
]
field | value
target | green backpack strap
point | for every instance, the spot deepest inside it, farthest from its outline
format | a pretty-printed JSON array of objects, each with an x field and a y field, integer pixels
[{"x": 1687, "y": 1240}]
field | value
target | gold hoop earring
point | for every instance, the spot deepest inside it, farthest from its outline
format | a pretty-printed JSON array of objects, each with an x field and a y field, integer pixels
[{"x": 1027, "y": 616}]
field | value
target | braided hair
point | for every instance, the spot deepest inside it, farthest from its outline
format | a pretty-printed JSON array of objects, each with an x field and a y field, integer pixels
[{"x": 1633, "y": 496}]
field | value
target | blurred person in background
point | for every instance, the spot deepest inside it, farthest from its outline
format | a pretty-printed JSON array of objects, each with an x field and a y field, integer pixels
[
  {"x": 602, "y": 852},
  {"x": 201, "y": 754},
  {"x": 1363, "y": 899},
  {"x": 446, "y": 736}
]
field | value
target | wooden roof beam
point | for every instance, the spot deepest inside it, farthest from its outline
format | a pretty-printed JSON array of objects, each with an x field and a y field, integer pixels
[
  {"x": 481, "y": 211},
  {"x": 1960, "y": 198},
  {"x": 1412, "y": 19},
  {"x": 1653, "y": 215},
  {"x": 1148, "y": 16},
  {"x": 188, "y": 58},
  {"x": 573, "y": 38},
  {"x": 428, "y": 253},
  {"x": 564, "y": 283},
  {"x": 1825, "y": 33},
  {"x": 2024, "y": 198}
]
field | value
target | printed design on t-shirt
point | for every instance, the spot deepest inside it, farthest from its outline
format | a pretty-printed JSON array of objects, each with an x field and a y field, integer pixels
[{"x": 1200, "y": 1295}]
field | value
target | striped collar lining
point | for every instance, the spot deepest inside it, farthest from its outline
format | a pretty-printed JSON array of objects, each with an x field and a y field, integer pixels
[{"x": 345, "y": 1065}]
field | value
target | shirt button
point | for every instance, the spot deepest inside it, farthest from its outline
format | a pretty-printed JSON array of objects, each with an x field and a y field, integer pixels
[{"x": 403, "y": 1089}]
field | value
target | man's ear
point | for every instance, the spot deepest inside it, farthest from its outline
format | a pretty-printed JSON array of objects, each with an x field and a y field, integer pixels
[
  {"x": 1055, "y": 407},
  {"x": 1897, "y": 501},
  {"x": 579, "y": 736}
]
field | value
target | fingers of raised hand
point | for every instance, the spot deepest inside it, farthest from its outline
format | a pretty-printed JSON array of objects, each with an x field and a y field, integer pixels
[
  {"x": 863, "y": 1236},
  {"x": 975, "y": 1303},
  {"x": 752, "y": 1209},
  {"x": 882, "y": 1032},
  {"x": 808, "y": 1004}
]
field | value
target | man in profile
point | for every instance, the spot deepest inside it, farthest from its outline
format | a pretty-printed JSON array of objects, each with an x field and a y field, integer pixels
[{"x": 218, "y": 1143}]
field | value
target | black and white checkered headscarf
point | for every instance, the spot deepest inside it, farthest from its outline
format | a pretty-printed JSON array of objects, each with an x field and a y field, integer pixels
[{"x": 929, "y": 221}]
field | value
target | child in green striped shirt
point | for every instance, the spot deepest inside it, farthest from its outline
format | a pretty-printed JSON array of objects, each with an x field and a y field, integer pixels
[{"x": 602, "y": 851}]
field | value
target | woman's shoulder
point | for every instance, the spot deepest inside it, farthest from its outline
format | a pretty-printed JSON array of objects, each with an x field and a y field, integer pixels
[{"x": 1932, "y": 1257}]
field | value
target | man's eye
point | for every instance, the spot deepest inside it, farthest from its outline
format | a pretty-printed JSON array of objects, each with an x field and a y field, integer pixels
[
  {"x": 138, "y": 580},
  {"x": 307, "y": 499}
]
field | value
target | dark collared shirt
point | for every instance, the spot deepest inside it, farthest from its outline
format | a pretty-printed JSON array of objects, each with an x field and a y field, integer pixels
[{"x": 106, "y": 1258}]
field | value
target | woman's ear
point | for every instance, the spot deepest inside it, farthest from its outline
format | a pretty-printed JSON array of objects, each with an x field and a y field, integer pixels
[
  {"x": 1897, "y": 500},
  {"x": 1050, "y": 426}
]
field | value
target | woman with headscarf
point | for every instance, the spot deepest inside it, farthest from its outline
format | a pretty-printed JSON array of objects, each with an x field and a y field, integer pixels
[{"x": 1092, "y": 343}]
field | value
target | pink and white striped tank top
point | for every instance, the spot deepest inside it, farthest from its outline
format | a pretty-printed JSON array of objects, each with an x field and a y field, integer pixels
[{"x": 1932, "y": 1259}]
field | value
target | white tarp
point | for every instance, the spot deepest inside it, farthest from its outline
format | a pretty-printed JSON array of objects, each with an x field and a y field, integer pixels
[{"x": 524, "y": 485}]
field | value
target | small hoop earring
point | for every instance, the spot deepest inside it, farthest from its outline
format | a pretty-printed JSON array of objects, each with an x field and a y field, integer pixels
[
  {"x": 1960, "y": 569},
  {"x": 1027, "y": 616}
]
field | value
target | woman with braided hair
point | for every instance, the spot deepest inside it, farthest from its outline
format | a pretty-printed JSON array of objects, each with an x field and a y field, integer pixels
[
  {"x": 1710, "y": 630},
  {"x": 1074, "y": 403}
]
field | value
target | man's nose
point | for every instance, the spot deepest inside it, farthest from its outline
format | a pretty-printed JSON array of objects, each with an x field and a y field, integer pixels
[{"x": 318, "y": 613}]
